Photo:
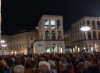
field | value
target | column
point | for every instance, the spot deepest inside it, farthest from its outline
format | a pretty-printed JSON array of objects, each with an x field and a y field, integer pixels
[
  {"x": 56, "y": 23},
  {"x": 50, "y": 48},
  {"x": 56, "y": 32},
  {"x": 97, "y": 35},
  {"x": 50, "y": 34}
]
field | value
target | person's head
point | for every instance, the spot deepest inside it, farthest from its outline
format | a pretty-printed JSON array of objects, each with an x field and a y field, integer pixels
[
  {"x": 62, "y": 57},
  {"x": 52, "y": 64},
  {"x": 88, "y": 64},
  {"x": 28, "y": 65},
  {"x": 81, "y": 67},
  {"x": 44, "y": 67},
  {"x": 62, "y": 66},
  {"x": 19, "y": 69}
]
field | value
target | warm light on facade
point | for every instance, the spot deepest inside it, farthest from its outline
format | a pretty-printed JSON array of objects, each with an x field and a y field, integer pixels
[
  {"x": 84, "y": 48},
  {"x": 78, "y": 49}
]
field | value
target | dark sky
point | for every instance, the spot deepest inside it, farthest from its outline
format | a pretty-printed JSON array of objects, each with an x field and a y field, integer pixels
[{"x": 25, "y": 14}]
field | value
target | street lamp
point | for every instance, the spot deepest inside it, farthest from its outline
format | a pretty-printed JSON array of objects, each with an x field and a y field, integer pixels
[
  {"x": 2, "y": 41},
  {"x": 85, "y": 29}
]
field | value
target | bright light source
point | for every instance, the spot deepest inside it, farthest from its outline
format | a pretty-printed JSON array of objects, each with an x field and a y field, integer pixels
[
  {"x": 37, "y": 27},
  {"x": 2, "y": 41},
  {"x": 85, "y": 28},
  {"x": 12, "y": 52},
  {"x": 4, "y": 45},
  {"x": 84, "y": 48},
  {"x": 78, "y": 49}
]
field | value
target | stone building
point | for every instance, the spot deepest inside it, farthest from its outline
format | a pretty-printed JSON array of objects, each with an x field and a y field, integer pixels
[
  {"x": 22, "y": 43},
  {"x": 93, "y": 36},
  {"x": 47, "y": 38},
  {"x": 50, "y": 35},
  {"x": 68, "y": 41}
]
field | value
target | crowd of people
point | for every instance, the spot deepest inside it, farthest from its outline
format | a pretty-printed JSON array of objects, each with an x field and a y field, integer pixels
[{"x": 51, "y": 63}]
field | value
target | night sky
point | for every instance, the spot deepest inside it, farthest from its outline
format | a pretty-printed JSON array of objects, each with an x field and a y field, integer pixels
[{"x": 20, "y": 15}]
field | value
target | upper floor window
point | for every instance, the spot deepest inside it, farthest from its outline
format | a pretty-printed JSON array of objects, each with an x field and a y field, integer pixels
[
  {"x": 99, "y": 35},
  {"x": 89, "y": 35},
  {"x": 53, "y": 35},
  {"x": 80, "y": 25},
  {"x": 59, "y": 35},
  {"x": 94, "y": 35},
  {"x": 93, "y": 25},
  {"x": 58, "y": 24},
  {"x": 78, "y": 28},
  {"x": 47, "y": 35},
  {"x": 52, "y": 23},
  {"x": 31, "y": 38},
  {"x": 83, "y": 23},
  {"x": 75, "y": 29},
  {"x": 7, "y": 41},
  {"x": 88, "y": 23},
  {"x": 98, "y": 24},
  {"x": 46, "y": 23}
]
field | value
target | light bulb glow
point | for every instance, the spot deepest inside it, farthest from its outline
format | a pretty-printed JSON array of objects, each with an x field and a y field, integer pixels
[{"x": 85, "y": 28}]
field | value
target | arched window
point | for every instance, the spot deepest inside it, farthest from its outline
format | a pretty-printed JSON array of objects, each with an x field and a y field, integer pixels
[
  {"x": 58, "y": 24},
  {"x": 59, "y": 35},
  {"x": 48, "y": 49},
  {"x": 52, "y": 23},
  {"x": 89, "y": 35},
  {"x": 94, "y": 35},
  {"x": 46, "y": 23},
  {"x": 99, "y": 35},
  {"x": 78, "y": 28},
  {"x": 53, "y": 48},
  {"x": 80, "y": 25},
  {"x": 47, "y": 35},
  {"x": 83, "y": 23},
  {"x": 88, "y": 23},
  {"x": 93, "y": 25},
  {"x": 75, "y": 29},
  {"x": 53, "y": 35},
  {"x": 98, "y": 24}
]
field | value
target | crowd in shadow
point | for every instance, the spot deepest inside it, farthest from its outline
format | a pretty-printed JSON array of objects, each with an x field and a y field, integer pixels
[{"x": 51, "y": 63}]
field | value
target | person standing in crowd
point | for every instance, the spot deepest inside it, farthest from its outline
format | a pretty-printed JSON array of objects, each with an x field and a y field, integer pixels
[
  {"x": 19, "y": 69},
  {"x": 44, "y": 67}
]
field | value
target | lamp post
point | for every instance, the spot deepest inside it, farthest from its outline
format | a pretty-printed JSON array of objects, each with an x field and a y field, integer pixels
[{"x": 85, "y": 29}]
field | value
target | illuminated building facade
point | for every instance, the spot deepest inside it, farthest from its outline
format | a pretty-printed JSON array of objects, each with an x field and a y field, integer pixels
[
  {"x": 93, "y": 36},
  {"x": 48, "y": 38},
  {"x": 50, "y": 35},
  {"x": 22, "y": 43}
]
